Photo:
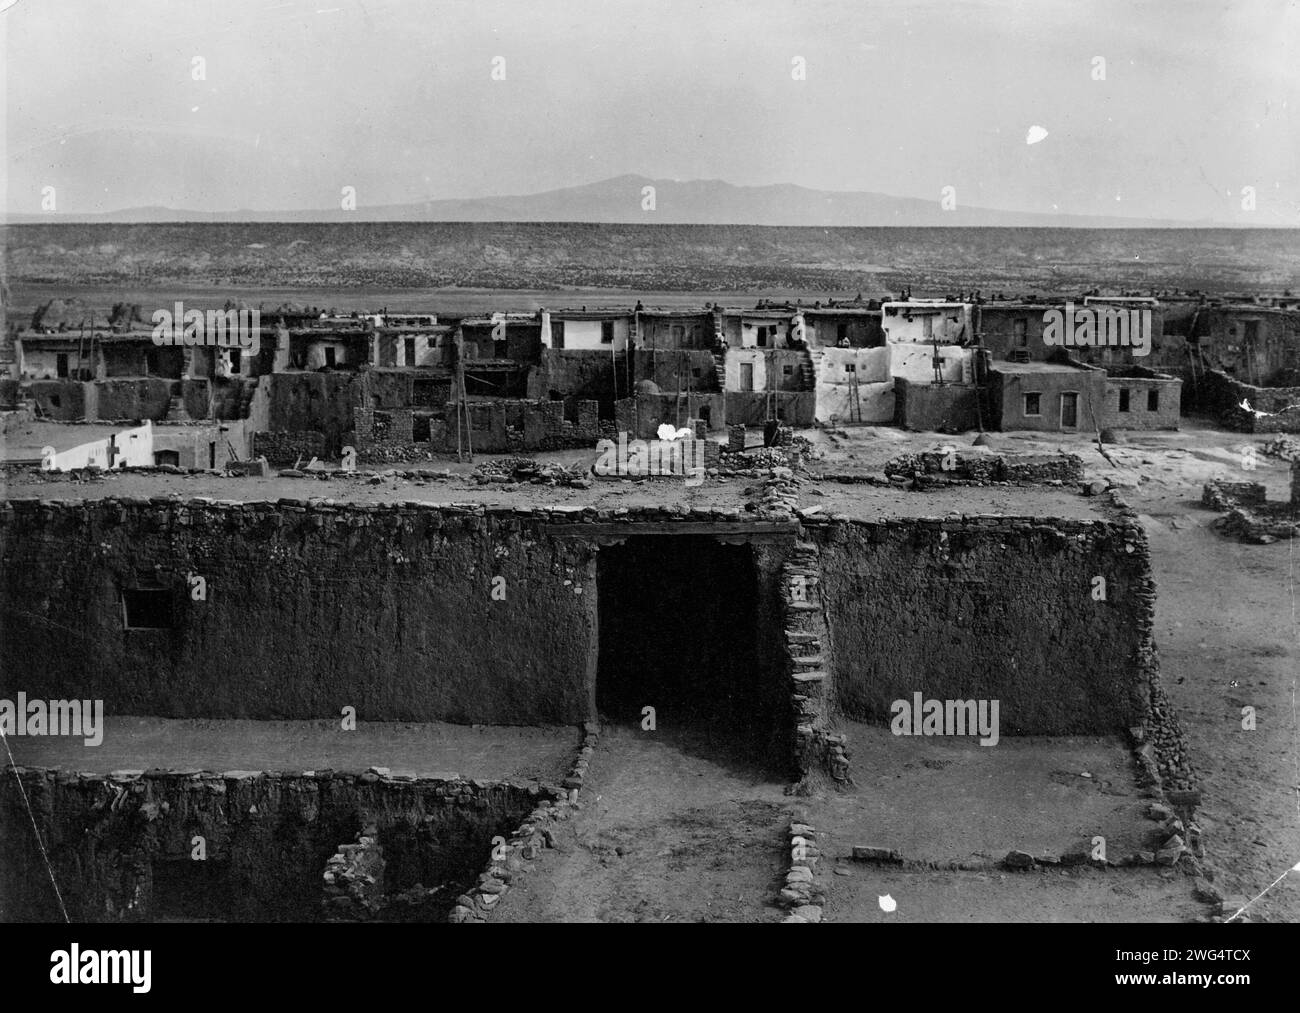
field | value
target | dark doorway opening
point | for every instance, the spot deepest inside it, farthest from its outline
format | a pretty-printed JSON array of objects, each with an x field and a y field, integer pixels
[{"x": 678, "y": 621}]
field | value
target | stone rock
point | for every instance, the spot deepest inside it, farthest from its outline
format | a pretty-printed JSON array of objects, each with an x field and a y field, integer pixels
[
  {"x": 809, "y": 912},
  {"x": 1018, "y": 860},
  {"x": 1208, "y": 892},
  {"x": 1159, "y": 812},
  {"x": 1168, "y": 856},
  {"x": 798, "y": 875}
]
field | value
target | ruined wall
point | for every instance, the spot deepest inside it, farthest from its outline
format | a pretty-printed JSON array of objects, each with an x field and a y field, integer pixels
[
  {"x": 1221, "y": 395},
  {"x": 115, "y": 841},
  {"x": 384, "y": 608},
  {"x": 992, "y": 608}
]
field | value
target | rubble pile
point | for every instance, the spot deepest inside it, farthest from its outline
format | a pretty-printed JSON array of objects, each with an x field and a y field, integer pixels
[
  {"x": 503, "y": 470},
  {"x": 759, "y": 462},
  {"x": 1287, "y": 448},
  {"x": 778, "y": 496}
]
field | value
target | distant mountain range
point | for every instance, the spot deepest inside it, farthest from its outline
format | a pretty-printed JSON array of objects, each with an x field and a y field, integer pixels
[{"x": 620, "y": 200}]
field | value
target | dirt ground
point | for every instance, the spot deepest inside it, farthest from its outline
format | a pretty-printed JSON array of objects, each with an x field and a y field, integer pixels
[
  {"x": 673, "y": 830},
  {"x": 431, "y": 749}
]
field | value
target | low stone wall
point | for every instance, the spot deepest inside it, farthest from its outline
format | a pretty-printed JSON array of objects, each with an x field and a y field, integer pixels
[
  {"x": 985, "y": 469},
  {"x": 1250, "y": 517},
  {"x": 1220, "y": 495},
  {"x": 515, "y": 856},
  {"x": 802, "y": 896}
]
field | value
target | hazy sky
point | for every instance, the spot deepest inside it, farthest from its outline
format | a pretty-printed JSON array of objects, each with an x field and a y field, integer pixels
[{"x": 397, "y": 98}]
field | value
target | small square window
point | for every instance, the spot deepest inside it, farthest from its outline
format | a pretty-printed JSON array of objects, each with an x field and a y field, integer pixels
[
  {"x": 1033, "y": 404},
  {"x": 787, "y": 370},
  {"x": 850, "y": 367},
  {"x": 147, "y": 609}
]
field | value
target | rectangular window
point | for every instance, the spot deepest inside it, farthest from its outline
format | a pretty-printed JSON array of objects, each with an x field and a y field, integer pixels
[
  {"x": 607, "y": 332},
  {"x": 236, "y": 360},
  {"x": 420, "y": 428},
  {"x": 1033, "y": 404},
  {"x": 850, "y": 367},
  {"x": 762, "y": 337},
  {"x": 841, "y": 332},
  {"x": 147, "y": 609},
  {"x": 927, "y": 327},
  {"x": 787, "y": 370},
  {"x": 1153, "y": 400},
  {"x": 61, "y": 366},
  {"x": 1020, "y": 332},
  {"x": 329, "y": 356},
  {"x": 675, "y": 333},
  {"x": 1123, "y": 399},
  {"x": 410, "y": 351}
]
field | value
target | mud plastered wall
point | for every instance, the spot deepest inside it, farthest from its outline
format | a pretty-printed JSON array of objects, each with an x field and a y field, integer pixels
[
  {"x": 992, "y": 608},
  {"x": 386, "y": 609},
  {"x": 116, "y": 840}
]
